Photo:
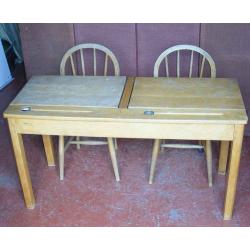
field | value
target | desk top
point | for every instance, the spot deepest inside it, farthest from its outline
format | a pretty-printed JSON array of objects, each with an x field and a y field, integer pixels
[
  {"x": 186, "y": 93},
  {"x": 72, "y": 91},
  {"x": 172, "y": 100},
  {"x": 207, "y": 99}
]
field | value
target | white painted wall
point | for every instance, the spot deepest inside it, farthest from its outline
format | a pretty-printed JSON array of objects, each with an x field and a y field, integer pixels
[{"x": 5, "y": 75}]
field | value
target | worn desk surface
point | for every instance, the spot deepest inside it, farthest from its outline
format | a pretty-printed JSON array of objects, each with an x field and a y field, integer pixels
[
  {"x": 190, "y": 99},
  {"x": 72, "y": 91},
  {"x": 203, "y": 109}
]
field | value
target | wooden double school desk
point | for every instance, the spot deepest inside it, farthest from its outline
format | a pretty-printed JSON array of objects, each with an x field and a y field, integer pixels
[{"x": 129, "y": 107}]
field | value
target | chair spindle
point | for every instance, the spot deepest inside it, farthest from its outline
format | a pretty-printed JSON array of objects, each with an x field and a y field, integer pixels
[
  {"x": 106, "y": 65},
  {"x": 178, "y": 63},
  {"x": 82, "y": 61},
  {"x": 202, "y": 66},
  {"x": 191, "y": 64},
  {"x": 166, "y": 64},
  {"x": 94, "y": 53},
  {"x": 72, "y": 65}
]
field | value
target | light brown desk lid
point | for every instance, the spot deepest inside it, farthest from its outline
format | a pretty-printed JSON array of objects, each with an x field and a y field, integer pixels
[
  {"x": 78, "y": 91},
  {"x": 186, "y": 93},
  {"x": 189, "y": 100}
]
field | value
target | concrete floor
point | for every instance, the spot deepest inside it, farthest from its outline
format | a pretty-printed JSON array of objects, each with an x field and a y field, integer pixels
[{"x": 90, "y": 196}]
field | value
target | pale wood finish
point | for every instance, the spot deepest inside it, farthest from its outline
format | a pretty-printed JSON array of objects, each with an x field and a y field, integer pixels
[
  {"x": 155, "y": 153},
  {"x": 61, "y": 156},
  {"x": 165, "y": 145},
  {"x": 191, "y": 64},
  {"x": 203, "y": 95},
  {"x": 202, "y": 66},
  {"x": 113, "y": 158},
  {"x": 106, "y": 65},
  {"x": 112, "y": 92},
  {"x": 115, "y": 144},
  {"x": 233, "y": 171},
  {"x": 94, "y": 54},
  {"x": 82, "y": 62},
  {"x": 208, "y": 151},
  {"x": 22, "y": 165},
  {"x": 49, "y": 150},
  {"x": 205, "y": 56},
  {"x": 182, "y": 121},
  {"x": 224, "y": 149},
  {"x": 68, "y": 143},
  {"x": 171, "y": 96},
  {"x": 94, "y": 143},
  {"x": 126, "y": 128},
  {"x": 77, "y": 142},
  {"x": 89, "y": 46},
  {"x": 171, "y": 116},
  {"x": 108, "y": 55},
  {"x": 72, "y": 91}
]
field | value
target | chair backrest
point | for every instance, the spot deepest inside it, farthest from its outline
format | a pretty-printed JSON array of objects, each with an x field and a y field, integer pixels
[
  {"x": 89, "y": 46},
  {"x": 204, "y": 56}
]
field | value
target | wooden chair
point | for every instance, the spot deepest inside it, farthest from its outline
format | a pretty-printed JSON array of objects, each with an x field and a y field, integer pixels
[
  {"x": 203, "y": 57},
  {"x": 71, "y": 55}
]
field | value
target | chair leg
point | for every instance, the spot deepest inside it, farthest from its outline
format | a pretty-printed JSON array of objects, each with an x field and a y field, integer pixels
[
  {"x": 78, "y": 145},
  {"x": 156, "y": 148},
  {"x": 115, "y": 142},
  {"x": 113, "y": 158},
  {"x": 61, "y": 157},
  {"x": 209, "y": 162},
  {"x": 162, "y": 142}
]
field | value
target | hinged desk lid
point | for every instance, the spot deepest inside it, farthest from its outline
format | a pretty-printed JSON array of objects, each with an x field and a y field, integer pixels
[{"x": 78, "y": 91}]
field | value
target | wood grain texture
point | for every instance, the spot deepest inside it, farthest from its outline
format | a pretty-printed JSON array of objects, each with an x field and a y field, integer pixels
[
  {"x": 224, "y": 147},
  {"x": 61, "y": 150},
  {"x": 160, "y": 100},
  {"x": 93, "y": 90},
  {"x": 77, "y": 91},
  {"x": 93, "y": 46},
  {"x": 209, "y": 159},
  {"x": 178, "y": 49},
  {"x": 49, "y": 150},
  {"x": 113, "y": 158},
  {"x": 126, "y": 128},
  {"x": 127, "y": 92},
  {"x": 186, "y": 120},
  {"x": 135, "y": 114},
  {"x": 22, "y": 165},
  {"x": 233, "y": 171},
  {"x": 155, "y": 152},
  {"x": 196, "y": 93}
]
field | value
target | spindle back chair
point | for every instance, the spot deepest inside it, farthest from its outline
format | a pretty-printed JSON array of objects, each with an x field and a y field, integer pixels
[
  {"x": 178, "y": 48},
  {"x": 109, "y": 55},
  {"x": 203, "y": 57},
  {"x": 71, "y": 55}
]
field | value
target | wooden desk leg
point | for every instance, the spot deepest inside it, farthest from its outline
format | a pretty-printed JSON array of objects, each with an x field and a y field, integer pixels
[
  {"x": 233, "y": 171},
  {"x": 224, "y": 147},
  {"x": 49, "y": 150},
  {"x": 22, "y": 166}
]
